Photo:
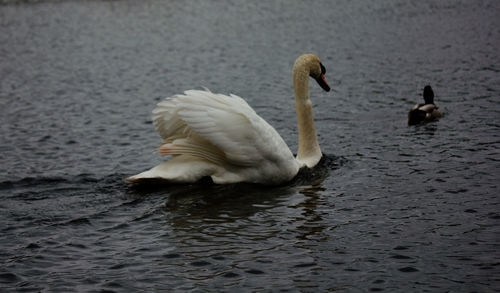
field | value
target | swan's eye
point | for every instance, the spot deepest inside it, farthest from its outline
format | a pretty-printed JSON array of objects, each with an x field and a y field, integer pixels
[{"x": 323, "y": 69}]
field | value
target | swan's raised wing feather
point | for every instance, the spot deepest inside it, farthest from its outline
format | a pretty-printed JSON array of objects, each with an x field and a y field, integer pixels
[{"x": 212, "y": 124}]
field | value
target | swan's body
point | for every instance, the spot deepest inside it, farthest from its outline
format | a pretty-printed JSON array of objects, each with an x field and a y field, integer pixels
[
  {"x": 222, "y": 137},
  {"x": 422, "y": 113}
]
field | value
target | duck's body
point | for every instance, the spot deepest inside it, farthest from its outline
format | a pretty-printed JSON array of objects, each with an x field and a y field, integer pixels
[
  {"x": 423, "y": 113},
  {"x": 426, "y": 112},
  {"x": 219, "y": 136}
]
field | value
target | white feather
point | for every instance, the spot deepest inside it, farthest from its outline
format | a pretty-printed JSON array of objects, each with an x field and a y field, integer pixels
[
  {"x": 221, "y": 136},
  {"x": 223, "y": 132}
]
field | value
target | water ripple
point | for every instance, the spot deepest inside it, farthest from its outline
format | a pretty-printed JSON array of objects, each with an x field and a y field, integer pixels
[{"x": 390, "y": 207}]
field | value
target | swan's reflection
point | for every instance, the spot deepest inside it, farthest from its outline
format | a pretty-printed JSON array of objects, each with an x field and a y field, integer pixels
[
  {"x": 241, "y": 208},
  {"x": 242, "y": 229},
  {"x": 205, "y": 202},
  {"x": 312, "y": 220}
]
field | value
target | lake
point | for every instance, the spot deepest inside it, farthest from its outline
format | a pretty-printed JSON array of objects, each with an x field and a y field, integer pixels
[{"x": 390, "y": 208}]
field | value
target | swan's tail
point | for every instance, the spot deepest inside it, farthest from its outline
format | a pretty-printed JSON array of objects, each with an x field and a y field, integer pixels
[{"x": 179, "y": 169}]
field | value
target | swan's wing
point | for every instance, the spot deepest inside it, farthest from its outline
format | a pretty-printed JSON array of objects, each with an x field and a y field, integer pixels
[{"x": 217, "y": 127}]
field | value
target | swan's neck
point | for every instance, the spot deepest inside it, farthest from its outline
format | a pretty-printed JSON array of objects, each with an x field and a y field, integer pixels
[{"x": 309, "y": 152}]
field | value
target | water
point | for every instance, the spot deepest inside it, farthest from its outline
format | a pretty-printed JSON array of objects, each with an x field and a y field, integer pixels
[{"x": 390, "y": 208}]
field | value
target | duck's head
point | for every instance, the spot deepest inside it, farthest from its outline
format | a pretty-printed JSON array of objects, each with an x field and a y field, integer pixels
[{"x": 428, "y": 95}]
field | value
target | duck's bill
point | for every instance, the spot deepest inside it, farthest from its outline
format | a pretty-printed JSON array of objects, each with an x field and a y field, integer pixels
[{"x": 322, "y": 83}]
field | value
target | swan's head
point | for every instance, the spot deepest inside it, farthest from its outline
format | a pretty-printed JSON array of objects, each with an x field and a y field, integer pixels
[
  {"x": 316, "y": 69},
  {"x": 428, "y": 95},
  {"x": 319, "y": 76}
]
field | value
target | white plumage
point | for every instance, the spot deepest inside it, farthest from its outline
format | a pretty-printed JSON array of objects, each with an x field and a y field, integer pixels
[{"x": 220, "y": 136}]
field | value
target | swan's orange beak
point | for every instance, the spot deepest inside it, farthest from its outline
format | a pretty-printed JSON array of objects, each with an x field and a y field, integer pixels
[{"x": 322, "y": 83}]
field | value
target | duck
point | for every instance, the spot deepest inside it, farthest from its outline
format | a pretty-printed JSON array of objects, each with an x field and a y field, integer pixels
[
  {"x": 426, "y": 112},
  {"x": 219, "y": 136}
]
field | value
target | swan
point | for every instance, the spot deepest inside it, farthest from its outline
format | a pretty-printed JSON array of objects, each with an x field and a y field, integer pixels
[
  {"x": 421, "y": 113},
  {"x": 220, "y": 136}
]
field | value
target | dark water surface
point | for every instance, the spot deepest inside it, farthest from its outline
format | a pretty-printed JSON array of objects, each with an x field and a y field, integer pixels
[{"x": 390, "y": 208}]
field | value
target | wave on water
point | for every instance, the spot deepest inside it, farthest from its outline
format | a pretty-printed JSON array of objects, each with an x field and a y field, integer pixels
[
  {"x": 35, "y": 181},
  {"x": 304, "y": 177},
  {"x": 20, "y": 2}
]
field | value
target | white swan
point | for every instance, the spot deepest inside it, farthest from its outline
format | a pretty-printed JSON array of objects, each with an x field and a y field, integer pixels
[{"x": 222, "y": 137}]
